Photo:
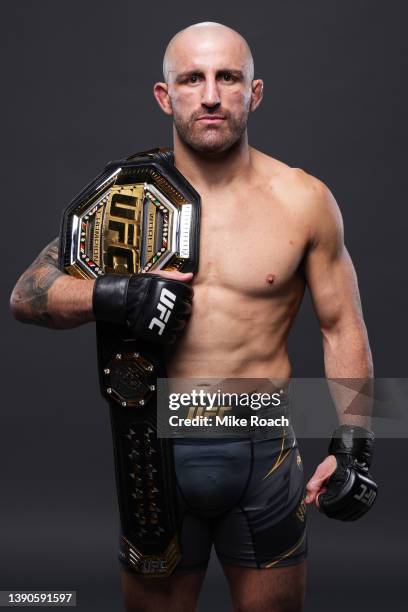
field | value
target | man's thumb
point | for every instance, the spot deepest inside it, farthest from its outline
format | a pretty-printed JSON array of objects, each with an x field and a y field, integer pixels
[
  {"x": 320, "y": 475},
  {"x": 184, "y": 277}
]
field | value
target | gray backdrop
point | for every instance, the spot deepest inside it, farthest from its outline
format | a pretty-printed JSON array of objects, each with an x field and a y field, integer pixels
[{"x": 77, "y": 92}]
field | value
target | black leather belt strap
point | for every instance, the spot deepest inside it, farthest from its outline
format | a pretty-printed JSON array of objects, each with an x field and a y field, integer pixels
[
  {"x": 143, "y": 462},
  {"x": 139, "y": 215}
]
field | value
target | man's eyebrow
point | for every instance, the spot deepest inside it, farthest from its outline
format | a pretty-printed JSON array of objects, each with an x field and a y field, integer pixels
[
  {"x": 238, "y": 74},
  {"x": 188, "y": 73}
]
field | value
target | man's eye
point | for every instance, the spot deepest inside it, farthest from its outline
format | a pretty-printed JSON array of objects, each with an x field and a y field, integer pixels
[
  {"x": 193, "y": 78},
  {"x": 227, "y": 76}
]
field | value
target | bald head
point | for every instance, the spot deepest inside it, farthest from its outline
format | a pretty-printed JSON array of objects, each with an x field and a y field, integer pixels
[
  {"x": 209, "y": 88},
  {"x": 202, "y": 40}
]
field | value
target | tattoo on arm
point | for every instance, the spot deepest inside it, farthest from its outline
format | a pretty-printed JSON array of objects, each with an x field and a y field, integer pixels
[{"x": 30, "y": 295}]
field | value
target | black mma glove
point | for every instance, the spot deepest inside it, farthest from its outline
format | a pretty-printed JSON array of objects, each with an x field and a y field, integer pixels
[
  {"x": 350, "y": 491},
  {"x": 152, "y": 307}
]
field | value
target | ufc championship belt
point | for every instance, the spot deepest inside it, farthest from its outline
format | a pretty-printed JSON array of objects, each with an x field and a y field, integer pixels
[{"x": 139, "y": 215}]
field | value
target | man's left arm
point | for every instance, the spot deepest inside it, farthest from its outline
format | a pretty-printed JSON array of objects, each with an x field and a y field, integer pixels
[{"x": 333, "y": 286}]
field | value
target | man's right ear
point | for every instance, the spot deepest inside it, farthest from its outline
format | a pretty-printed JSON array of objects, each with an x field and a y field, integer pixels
[{"x": 160, "y": 92}]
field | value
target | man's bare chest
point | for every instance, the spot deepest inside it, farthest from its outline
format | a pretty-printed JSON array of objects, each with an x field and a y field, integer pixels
[{"x": 250, "y": 244}]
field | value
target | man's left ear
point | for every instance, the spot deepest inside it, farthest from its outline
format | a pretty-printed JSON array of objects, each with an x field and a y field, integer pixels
[{"x": 257, "y": 94}]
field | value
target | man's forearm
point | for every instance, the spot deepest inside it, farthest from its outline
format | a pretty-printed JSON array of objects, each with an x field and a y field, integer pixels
[
  {"x": 46, "y": 296},
  {"x": 349, "y": 368}
]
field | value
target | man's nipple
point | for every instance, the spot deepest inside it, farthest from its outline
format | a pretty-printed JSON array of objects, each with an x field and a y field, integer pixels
[{"x": 270, "y": 279}]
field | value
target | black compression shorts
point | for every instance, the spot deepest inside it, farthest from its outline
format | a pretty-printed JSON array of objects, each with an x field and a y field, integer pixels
[{"x": 246, "y": 497}]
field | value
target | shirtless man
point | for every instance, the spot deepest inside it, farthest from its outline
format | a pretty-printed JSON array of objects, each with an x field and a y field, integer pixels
[{"x": 267, "y": 230}]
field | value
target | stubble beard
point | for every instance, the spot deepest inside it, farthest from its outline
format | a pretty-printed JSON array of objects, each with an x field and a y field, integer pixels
[{"x": 208, "y": 139}]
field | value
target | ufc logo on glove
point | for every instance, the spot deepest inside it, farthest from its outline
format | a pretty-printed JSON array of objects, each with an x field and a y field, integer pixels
[
  {"x": 165, "y": 306},
  {"x": 366, "y": 496}
]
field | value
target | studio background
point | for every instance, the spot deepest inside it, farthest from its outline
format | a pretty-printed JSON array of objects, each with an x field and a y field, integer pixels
[{"x": 77, "y": 92}]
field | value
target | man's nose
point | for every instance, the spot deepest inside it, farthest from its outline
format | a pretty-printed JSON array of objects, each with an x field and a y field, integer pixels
[{"x": 211, "y": 94}]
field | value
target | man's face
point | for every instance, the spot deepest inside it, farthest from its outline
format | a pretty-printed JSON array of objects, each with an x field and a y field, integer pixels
[{"x": 209, "y": 86}]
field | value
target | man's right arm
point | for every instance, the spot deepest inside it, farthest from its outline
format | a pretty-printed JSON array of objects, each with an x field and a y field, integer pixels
[
  {"x": 153, "y": 306},
  {"x": 48, "y": 297}
]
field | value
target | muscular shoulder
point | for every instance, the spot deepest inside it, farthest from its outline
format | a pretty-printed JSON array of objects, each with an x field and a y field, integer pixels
[
  {"x": 303, "y": 195},
  {"x": 293, "y": 183}
]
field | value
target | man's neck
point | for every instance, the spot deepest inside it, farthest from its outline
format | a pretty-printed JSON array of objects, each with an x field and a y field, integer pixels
[{"x": 213, "y": 171}]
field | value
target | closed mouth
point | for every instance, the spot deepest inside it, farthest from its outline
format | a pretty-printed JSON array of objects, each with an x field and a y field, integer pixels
[{"x": 211, "y": 118}]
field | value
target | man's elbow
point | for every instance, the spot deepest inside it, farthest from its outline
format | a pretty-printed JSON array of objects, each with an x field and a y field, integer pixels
[
  {"x": 339, "y": 330},
  {"x": 354, "y": 337},
  {"x": 18, "y": 307},
  {"x": 350, "y": 335}
]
